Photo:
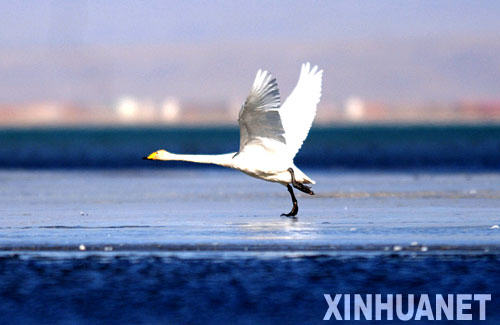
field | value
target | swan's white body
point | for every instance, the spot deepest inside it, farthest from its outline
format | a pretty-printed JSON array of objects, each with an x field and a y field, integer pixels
[{"x": 271, "y": 134}]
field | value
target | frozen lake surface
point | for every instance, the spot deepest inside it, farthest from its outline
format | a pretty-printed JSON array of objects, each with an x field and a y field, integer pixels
[
  {"x": 225, "y": 210},
  {"x": 209, "y": 247}
]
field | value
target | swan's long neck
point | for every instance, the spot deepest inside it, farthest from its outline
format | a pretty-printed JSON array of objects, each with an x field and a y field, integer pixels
[{"x": 225, "y": 160}]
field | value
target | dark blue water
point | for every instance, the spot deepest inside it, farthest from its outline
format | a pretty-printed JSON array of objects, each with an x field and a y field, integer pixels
[
  {"x": 174, "y": 290},
  {"x": 359, "y": 147}
]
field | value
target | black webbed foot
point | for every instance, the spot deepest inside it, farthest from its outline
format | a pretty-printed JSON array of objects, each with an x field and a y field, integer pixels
[{"x": 301, "y": 187}]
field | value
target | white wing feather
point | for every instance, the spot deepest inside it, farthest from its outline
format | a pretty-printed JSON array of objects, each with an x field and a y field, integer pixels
[
  {"x": 299, "y": 109},
  {"x": 259, "y": 118}
]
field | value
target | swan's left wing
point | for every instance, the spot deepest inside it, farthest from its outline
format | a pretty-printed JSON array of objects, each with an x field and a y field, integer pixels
[{"x": 259, "y": 117}]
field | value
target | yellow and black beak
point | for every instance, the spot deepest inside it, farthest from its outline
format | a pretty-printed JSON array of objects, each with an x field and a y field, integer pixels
[{"x": 151, "y": 156}]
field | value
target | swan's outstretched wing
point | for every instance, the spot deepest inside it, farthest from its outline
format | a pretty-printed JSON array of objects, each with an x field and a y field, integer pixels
[
  {"x": 299, "y": 109},
  {"x": 259, "y": 118}
]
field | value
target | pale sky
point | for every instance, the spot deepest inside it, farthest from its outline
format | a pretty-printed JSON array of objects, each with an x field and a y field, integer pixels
[{"x": 95, "y": 51}]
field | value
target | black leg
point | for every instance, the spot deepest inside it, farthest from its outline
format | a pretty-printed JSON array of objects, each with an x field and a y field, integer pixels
[
  {"x": 301, "y": 187},
  {"x": 295, "y": 207}
]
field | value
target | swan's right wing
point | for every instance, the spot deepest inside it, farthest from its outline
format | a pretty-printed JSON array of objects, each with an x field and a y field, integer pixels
[
  {"x": 259, "y": 118},
  {"x": 299, "y": 109}
]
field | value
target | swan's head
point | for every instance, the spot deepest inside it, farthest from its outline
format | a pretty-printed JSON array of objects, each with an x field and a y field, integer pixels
[{"x": 159, "y": 155}]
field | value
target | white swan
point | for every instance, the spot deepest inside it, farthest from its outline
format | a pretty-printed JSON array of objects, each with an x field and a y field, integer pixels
[{"x": 270, "y": 135}]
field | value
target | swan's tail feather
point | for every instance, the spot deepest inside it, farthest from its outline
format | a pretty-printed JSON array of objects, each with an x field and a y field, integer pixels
[{"x": 302, "y": 177}]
